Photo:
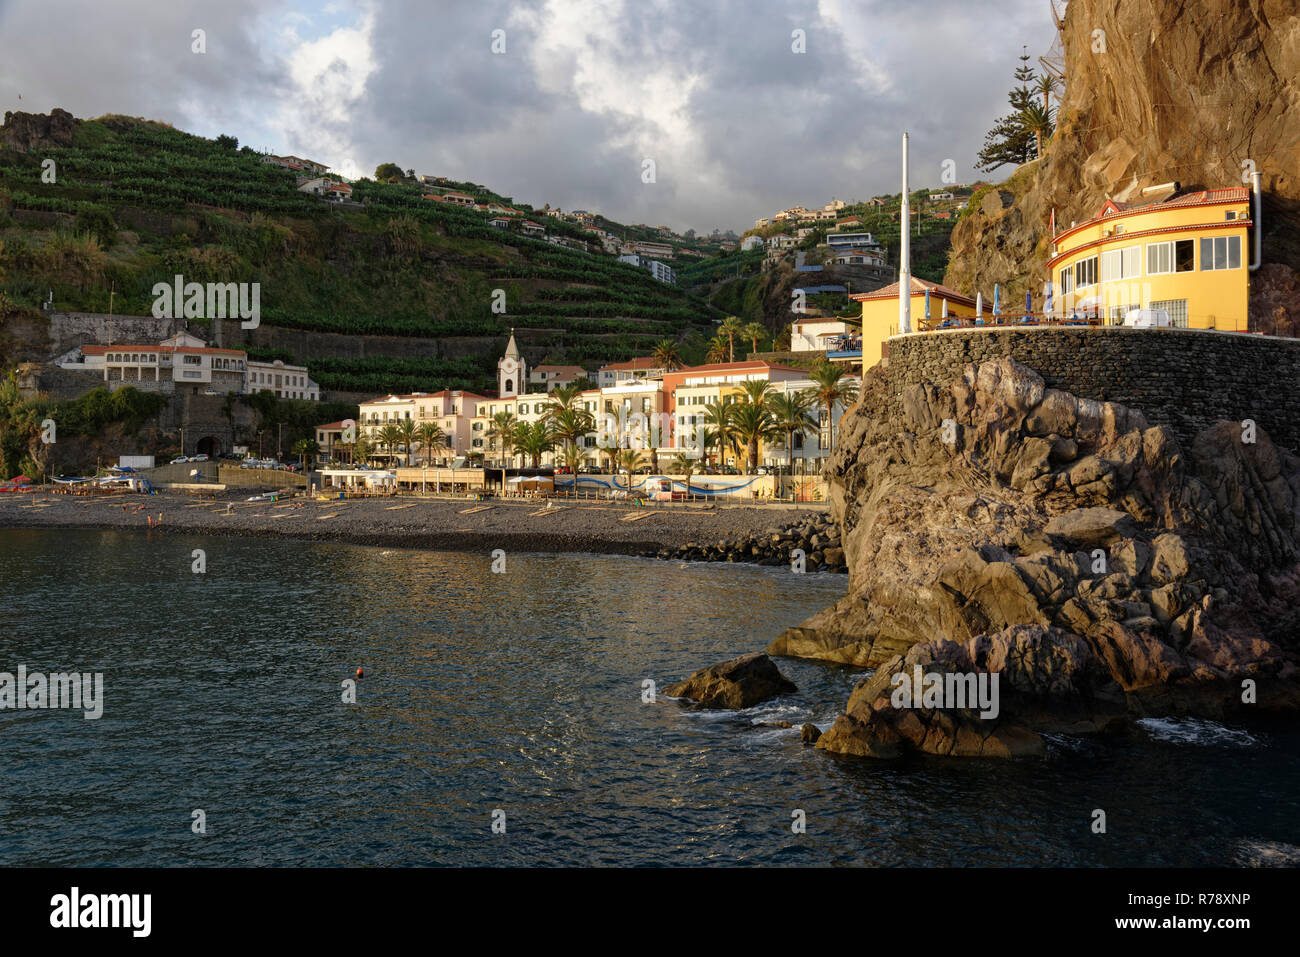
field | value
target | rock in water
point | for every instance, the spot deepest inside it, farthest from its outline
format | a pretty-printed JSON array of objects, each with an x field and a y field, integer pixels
[
  {"x": 809, "y": 733},
  {"x": 739, "y": 683}
]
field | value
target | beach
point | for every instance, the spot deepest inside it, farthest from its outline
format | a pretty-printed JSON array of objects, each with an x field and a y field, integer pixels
[{"x": 410, "y": 521}]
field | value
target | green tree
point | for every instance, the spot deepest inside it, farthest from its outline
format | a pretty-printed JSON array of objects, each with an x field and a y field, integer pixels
[
  {"x": 832, "y": 387},
  {"x": 718, "y": 419},
  {"x": 683, "y": 464},
  {"x": 792, "y": 413},
  {"x": 1010, "y": 141},
  {"x": 304, "y": 449},
  {"x": 502, "y": 429},
  {"x": 407, "y": 428},
  {"x": 532, "y": 439},
  {"x": 431, "y": 436},
  {"x": 388, "y": 173},
  {"x": 754, "y": 331},
  {"x": 752, "y": 424},
  {"x": 731, "y": 327},
  {"x": 390, "y": 436},
  {"x": 666, "y": 355},
  {"x": 1040, "y": 121}
]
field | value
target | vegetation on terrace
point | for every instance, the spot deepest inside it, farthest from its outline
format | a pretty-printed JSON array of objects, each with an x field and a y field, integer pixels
[{"x": 134, "y": 203}]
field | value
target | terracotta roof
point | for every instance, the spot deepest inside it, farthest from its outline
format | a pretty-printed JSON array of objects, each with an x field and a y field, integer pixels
[
  {"x": 641, "y": 362},
  {"x": 919, "y": 286},
  {"x": 1203, "y": 197},
  {"x": 332, "y": 425},
  {"x": 735, "y": 366}
]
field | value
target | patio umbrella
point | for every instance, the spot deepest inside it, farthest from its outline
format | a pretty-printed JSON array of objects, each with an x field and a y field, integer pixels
[
  {"x": 979, "y": 308},
  {"x": 1047, "y": 297},
  {"x": 1029, "y": 305},
  {"x": 997, "y": 299},
  {"x": 927, "y": 303},
  {"x": 943, "y": 308}
]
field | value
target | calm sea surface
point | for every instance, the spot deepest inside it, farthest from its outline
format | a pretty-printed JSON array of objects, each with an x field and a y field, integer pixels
[{"x": 521, "y": 693}]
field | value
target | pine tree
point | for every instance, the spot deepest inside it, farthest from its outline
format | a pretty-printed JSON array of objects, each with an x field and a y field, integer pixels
[{"x": 1011, "y": 140}]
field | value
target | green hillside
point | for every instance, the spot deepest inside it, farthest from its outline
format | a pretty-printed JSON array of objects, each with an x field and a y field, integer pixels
[{"x": 136, "y": 202}]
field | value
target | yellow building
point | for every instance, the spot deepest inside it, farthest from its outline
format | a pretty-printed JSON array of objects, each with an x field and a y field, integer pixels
[
  {"x": 1186, "y": 255},
  {"x": 880, "y": 313}
]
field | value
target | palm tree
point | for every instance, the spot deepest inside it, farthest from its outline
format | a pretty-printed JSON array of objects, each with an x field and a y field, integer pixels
[
  {"x": 757, "y": 391},
  {"x": 753, "y": 332},
  {"x": 303, "y": 448},
  {"x": 502, "y": 427},
  {"x": 1038, "y": 120},
  {"x": 565, "y": 397},
  {"x": 391, "y": 437},
  {"x": 407, "y": 428},
  {"x": 791, "y": 412},
  {"x": 718, "y": 417},
  {"x": 831, "y": 389},
  {"x": 1046, "y": 85},
  {"x": 532, "y": 439},
  {"x": 362, "y": 450},
  {"x": 684, "y": 465},
  {"x": 730, "y": 328},
  {"x": 431, "y": 436},
  {"x": 717, "y": 350},
  {"x": 752, "y": 424},
  {"x": 666, "y": 355},
  {"x": 628, "y": 460}
]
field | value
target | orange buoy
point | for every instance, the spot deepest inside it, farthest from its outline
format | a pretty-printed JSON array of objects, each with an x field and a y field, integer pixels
[{"x": 360, "y": 673}]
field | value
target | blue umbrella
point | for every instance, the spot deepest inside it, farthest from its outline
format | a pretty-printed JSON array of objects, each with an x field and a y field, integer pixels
[
  {"x": 997, "y": 300},
  {"x": 1029, "y": 306},
  {"x": 927, "y": 303}
]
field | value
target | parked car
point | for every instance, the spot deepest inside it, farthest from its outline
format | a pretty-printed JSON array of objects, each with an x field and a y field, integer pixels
[
  {"x": 201, "y": 457},
  {"x": 589, "y": 470},
  {"x": 762, "y": 470},
  {"x": 180, "y": 460}
]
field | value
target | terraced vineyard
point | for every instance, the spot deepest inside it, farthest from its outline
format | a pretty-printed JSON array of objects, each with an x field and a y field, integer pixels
[{"x": 134, "y": 203}]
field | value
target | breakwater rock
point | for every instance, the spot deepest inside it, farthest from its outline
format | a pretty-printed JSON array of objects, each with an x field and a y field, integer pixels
[
  {"x": 814, "y": 541},
  {"x": 1101, "y": 568}
]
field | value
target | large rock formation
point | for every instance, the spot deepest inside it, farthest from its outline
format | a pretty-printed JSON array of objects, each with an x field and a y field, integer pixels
[
  {"x": 991, "y": 523},
  {"x": 1156, "y": 91},
  {"x": 28, "y": 131}
]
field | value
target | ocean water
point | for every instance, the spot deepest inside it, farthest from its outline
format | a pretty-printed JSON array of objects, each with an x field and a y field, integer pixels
[{"x": 516, "y": 698}]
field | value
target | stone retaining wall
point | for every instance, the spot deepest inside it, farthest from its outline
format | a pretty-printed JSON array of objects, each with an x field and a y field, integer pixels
[{"x": 1187, "y": 379}]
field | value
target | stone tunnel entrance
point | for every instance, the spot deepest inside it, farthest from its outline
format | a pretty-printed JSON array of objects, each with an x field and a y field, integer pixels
[{"x": 209, "y": 445}]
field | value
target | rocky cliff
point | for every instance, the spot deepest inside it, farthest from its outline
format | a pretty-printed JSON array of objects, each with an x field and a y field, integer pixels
[
  {"x": 1099, "y": 566},
  {"x": 1157, "y": 90}
]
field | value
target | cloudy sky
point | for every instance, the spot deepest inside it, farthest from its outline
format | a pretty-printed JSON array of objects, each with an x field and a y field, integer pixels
[{"x": 585, "y": 91}]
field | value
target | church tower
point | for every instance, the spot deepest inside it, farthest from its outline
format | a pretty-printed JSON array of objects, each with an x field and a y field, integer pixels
[{"x": 512, "y": 371}]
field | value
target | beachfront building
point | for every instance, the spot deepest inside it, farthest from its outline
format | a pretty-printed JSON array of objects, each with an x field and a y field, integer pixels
[
  {"x": 880, "y": 315},
  {"x": 454, "y": 411},
  {"x": 329, "y": 439},
  {"x": 688, "y": 394},
  {"x": 1184, "y": 254}
]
